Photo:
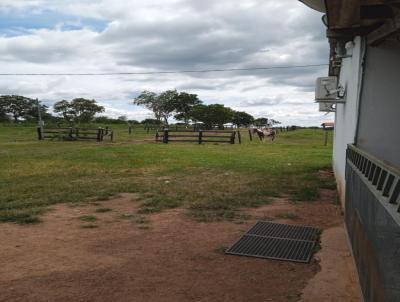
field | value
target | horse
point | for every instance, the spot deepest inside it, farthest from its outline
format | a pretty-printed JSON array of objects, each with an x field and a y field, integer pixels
[{"x": 265, "y": 133}]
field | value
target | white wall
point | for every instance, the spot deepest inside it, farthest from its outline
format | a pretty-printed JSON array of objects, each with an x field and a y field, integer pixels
[
  {"x": 346, "y": 114},
  {"x": 379, "y": 122}
]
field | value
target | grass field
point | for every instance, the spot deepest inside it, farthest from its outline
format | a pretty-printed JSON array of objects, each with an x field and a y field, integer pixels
[{"x": 211, "y": 181}]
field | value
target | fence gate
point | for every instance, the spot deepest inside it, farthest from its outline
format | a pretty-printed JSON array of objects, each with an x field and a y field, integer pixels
[
  {"x": 202, "y": 136},
  {"x": 98, "y": 134}
]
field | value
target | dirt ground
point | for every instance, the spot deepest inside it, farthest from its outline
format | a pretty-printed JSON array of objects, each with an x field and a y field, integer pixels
[{"x": 171, "y": 257}]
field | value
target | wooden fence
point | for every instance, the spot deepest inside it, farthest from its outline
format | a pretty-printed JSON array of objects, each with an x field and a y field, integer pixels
[
  {"x": 202, "y": 136},
  {"x": 98, "y": 134}
]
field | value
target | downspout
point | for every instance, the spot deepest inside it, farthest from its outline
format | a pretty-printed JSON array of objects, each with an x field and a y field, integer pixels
[{"x": 361, "y": 79}]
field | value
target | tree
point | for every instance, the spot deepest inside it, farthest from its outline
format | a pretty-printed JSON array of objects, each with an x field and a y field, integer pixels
[
  {"x": 78, "y": 110},
  {"x": 109, "y": 120},
  {"x": 64, "y": 108},
  {"x": 3, "y": 115},
  {"x": 150, "y": 121},
  {"x": 261, "y": 122},
  {"x": 185, "y": 103},
  {"x": 241, "y": 118},
  {"x": 149, "y": 100},
  {"x": 168, "y": 103},
  {"x": 165, "y": 104},
  {"x": 123, "y": 118},
  {"x": 17, "y": 106},
  {"x": 273, "y": 122},
  {"x": 85, "y": 109},
  {"x": 212, "y": 115},
  {"x": 32, "y": 113}
]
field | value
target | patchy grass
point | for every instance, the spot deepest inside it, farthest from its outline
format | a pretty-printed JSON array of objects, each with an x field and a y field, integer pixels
[
  {"x": 141, "y": 220},
  {"x": 287, "y": 215},
  {"x": 27, "y": 216},
  {"x": 103, "y": 210},
  {"x": 103, "y": 197},
  {"x": 125, "y": 216},
  {"x": 88, "y": 218},
  {"x": 306, "y": 193},
  {"x": 142, "y": 223},
  {"x": 89, "y": 226},
  {"x": 211, "y": 181},
  {"x": 221, "y": 249},
  {"x": 144, "y": 227},
  {"x": 157, "y": 204}
]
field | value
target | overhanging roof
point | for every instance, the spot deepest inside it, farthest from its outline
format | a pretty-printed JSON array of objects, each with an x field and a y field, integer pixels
[
  {"x": 379, "y": 19},
  {"x": 359, "y": 17},
  {"x": 318, "y": 5}
]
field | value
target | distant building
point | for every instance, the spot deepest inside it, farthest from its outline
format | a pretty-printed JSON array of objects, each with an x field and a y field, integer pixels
[
  {"x": 364, "y": 39},
  {"x": 328, "y": 125}
]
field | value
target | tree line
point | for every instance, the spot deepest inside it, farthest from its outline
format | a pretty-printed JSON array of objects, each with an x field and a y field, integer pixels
[
  {"x": 184, "y": 107},
  {"x": 188, "y": 108},
  {"x": 22, "y": 109},
  {"x": 79, "y": 110}
]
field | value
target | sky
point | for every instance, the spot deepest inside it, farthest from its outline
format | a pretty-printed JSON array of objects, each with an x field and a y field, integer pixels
[{"x": 85, "y": 36}]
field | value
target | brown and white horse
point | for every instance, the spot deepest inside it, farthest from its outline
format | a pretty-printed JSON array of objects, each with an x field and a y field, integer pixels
[{"x": 262, "y": 134}]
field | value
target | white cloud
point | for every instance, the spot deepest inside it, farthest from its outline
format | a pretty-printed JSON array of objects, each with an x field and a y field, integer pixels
[{"x": 171, "y": 35}]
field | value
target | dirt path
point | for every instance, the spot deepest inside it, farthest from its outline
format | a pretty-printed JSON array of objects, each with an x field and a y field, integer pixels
[
  {"x": 171, "y": 258},
  {"x": 337, "y": 279}
]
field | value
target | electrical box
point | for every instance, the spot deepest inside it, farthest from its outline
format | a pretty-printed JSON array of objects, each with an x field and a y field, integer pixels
[
  {"x": 326, "y": 89},
  {"x": 326, "y": 107}
]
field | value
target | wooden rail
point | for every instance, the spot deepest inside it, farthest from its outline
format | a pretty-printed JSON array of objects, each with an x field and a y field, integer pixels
[{"x": 202, "y": 136}]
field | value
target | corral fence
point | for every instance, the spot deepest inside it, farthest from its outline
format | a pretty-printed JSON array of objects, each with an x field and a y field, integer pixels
[
  {"x": 202, "y": 136},
  {"x": 71, "y": 133}
]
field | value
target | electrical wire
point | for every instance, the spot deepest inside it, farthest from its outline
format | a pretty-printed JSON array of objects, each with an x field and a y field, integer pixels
[{"x": 164, "y": 72}]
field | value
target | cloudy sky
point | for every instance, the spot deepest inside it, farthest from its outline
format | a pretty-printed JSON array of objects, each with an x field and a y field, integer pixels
[{"x": 87, "y": 36}]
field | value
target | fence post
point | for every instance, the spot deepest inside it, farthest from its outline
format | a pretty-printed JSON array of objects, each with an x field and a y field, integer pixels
[
  {"x": 239, "y": 136},
  {"x": 112, "y": 136},
  {"x": 233, "y": 137},
  {"x": 157, "y": 136},
  {"x": 99, "y": 134},
  {"x": 200, "y": 136},
  {"x": 165, "y": 138},
  {"x": 40, "y": 134},
  {"x": 130, "y": 130},
  {"x": 326, "y": 137},
  {"x": 250, "y": 135}
]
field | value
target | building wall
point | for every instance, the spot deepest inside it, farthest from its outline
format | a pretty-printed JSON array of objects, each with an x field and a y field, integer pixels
[
  {"x": 373, "y": 226},
  {"x": 373, "y": 218},
  {"x": 346, "y": 114},
  {"x": 379, "y": 122}
]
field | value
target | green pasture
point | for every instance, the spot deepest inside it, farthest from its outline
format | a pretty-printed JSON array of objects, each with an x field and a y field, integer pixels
[{"x": 211, "y": 181}]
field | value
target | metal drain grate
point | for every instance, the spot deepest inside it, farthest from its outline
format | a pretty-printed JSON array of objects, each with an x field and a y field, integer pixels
[
  {"x": 277, "y": 241},
  {"x": 298, "y": 232}
]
